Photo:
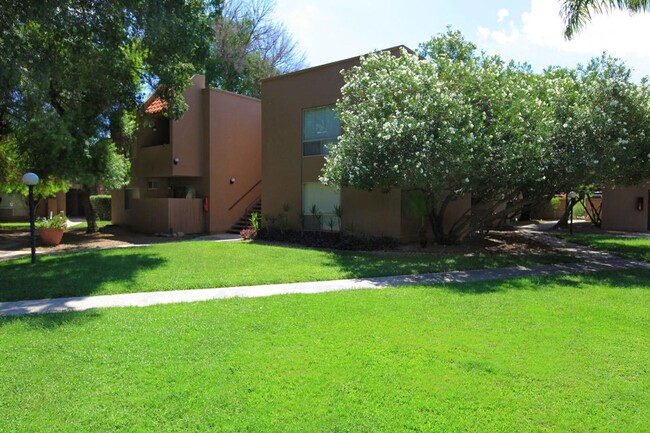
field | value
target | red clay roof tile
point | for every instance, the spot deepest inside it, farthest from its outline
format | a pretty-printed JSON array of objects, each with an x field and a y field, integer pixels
[{"x": 156, "y": 106}]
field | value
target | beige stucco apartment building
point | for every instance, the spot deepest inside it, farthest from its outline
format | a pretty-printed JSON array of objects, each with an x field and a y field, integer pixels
[
  {"x": 298, "y": 123},
  {"x": 196, "y": 174}
]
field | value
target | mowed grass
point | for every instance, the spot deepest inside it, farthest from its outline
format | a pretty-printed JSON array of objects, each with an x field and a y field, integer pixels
[
  {"x": 564, "y": 354},
  {"x": 194, "y": 265},
  {"x": 24, "y": 226},
  {"x": 632, "y": 248}
]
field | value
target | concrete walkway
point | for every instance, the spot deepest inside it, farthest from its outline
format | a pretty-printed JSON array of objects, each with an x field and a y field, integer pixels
[
  {"x": 593, "y": 261},
  {"x": 153, "y": 298}
]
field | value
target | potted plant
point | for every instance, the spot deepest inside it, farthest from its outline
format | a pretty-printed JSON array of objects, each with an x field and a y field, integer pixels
[{"x": 51, "y": 229}]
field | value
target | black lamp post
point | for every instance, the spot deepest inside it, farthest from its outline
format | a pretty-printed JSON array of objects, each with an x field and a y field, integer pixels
[{"x": 30, "y": 179}]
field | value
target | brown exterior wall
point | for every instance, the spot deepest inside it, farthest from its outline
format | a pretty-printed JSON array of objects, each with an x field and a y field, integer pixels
[
  {"x": 548, "y": 211},
  {"x": 161, "y": 215},
  {"x": 235, "y": 137},
  {"x": 285, "y": 170},
  {"x": 620, "y": 208},
  {"x": 218, "y": 138},
  {"x": 188, "y": 134}
]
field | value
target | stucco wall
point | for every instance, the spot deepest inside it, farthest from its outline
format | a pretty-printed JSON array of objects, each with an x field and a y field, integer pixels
[
  {"x": 620, "y": 208},
  {"x": 188, "y": 133},
  {"x": 235, "y": 138},
  {"x": 218, "y": 138},
  {"x": 285, "y": 170}
]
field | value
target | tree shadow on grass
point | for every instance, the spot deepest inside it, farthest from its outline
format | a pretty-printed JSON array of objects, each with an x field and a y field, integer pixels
[
  {"x": 41, "y": 322},
  {"x": 621, "y": 279},
  {"x": 357, "y": 265},
  {"x": 66, "y": 275},
  {"x": 617, "y": 279}
]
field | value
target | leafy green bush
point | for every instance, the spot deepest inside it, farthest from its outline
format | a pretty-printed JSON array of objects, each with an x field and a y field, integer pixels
[
  {"x": 556, "y": 202},
  {"x": 102, "y": 206},
  {"x": 58, "y": 221}
]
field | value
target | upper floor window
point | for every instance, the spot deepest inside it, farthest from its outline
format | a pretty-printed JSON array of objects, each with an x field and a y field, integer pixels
[{"x": 320, "y": 130}]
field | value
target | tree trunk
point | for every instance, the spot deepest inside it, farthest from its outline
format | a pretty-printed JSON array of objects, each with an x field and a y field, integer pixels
[
  {"x": 563, "y": 222},
  {"x": 91, "y": 218},
  {"x": 422, "y": 233}
]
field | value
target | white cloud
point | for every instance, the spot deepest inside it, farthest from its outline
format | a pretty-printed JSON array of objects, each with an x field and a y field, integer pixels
[
  {"x": 502, "y": 14},
  {"x": 502, "y": 37},
  {"x": 618, "y": 32},
  {"x": 483, "y": 32}
]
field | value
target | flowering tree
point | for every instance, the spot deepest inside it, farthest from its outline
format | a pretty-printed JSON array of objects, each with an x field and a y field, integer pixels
[
  {"x": 451, "y": 122},
  {"x": 602, "y": 127}
]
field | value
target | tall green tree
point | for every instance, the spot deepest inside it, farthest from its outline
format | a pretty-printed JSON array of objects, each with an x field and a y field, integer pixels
[
  {"x": 577, "y": 13},
  {"x": 250, "y": 45},
  {"x": 71, "y": 71}
]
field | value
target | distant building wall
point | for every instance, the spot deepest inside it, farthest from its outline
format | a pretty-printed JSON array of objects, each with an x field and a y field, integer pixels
[{"x": 620, "y": 208}]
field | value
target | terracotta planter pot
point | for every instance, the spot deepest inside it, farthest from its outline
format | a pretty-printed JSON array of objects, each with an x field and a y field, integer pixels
[{"x": 51, "y": 237}]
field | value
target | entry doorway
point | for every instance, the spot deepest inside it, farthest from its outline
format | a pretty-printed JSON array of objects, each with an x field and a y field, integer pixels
[{"x": 73, "y": 203}]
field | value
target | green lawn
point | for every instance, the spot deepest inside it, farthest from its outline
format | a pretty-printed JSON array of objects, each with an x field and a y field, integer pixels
[
  {"x": 25, "y": 225},
  {"x": 14, "y": 226},
  {"x": 193, "y": 265},
  {"x": 633, "y": 248},
  {"x": 565, "y": 354}
]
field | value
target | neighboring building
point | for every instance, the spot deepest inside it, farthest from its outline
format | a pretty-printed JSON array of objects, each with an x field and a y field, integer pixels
[
  {"x": 197, "y": 174},
  {"x": 626, "y": 208},
  {"x": 298, "y": 122},
  {"x": 14, "y": 207}
]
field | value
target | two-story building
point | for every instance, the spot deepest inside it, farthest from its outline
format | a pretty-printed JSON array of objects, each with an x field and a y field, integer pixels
[
  {"x": 298, "y": 125},
  {"x": 197, "y": 174}
]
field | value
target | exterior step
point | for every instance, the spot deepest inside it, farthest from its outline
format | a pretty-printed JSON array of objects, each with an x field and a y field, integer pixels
[{"x": 244, "y": 221}]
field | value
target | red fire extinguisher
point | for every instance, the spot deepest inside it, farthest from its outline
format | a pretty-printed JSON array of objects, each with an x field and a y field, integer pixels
[{"x": 206, "y": 204}]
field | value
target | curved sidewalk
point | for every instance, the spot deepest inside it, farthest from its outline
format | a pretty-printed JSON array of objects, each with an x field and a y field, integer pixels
[{"x": 153, "y": 298}]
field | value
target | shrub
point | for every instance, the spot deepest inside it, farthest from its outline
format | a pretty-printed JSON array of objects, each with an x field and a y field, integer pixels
[
  {"x": 248, "y": 233},
  {"x": 58, "y": 221},
  {"x": 255, "y": 220},
  {"x": 556, "y": 202},
  {"x": 332, "y": 240},
  {"x": 102, "y": 206}
]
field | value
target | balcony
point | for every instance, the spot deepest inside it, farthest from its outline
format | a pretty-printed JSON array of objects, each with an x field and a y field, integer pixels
[{"x": 165, "y": 215}]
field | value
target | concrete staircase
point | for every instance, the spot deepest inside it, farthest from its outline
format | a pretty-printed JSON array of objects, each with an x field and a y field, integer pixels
[{"x": 244, "y": 221}]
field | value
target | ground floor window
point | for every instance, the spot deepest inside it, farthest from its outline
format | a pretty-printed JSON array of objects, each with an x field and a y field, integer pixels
[{"x": 319, "y": 205}]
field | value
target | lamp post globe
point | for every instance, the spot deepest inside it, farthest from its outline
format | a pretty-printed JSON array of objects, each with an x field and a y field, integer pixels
[{"x": 30, "y": 179}]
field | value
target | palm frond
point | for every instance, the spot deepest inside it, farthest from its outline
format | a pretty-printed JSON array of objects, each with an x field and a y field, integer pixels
[{"x": 577, "y": 13}]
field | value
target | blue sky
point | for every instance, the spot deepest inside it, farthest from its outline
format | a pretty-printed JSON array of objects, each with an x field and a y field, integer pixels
[{"x": 523, "y": 30}]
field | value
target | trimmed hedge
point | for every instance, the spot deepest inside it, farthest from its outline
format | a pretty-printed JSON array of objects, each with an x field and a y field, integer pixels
[
  {"x": 331, "y": 240},
  {"x": 102, "y": 206}
]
